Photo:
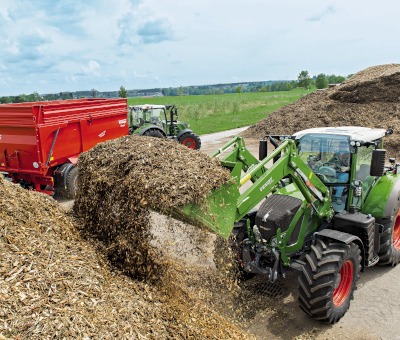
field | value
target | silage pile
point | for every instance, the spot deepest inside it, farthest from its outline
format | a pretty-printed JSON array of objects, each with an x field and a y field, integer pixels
[
  {"x": 370, "y": 98},
  {"x": 120, "y": 180},
  {"x": 53, "y": 284}
]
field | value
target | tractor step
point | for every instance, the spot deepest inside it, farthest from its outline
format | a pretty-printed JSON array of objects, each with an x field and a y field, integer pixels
[{"x": 374, "y": 261}]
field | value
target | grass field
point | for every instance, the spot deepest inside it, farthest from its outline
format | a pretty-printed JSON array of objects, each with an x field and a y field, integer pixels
[{"x": 214, "y": 113}]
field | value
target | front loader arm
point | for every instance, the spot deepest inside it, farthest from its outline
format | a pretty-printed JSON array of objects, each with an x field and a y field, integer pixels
[
  {"x": 226, "y": 205},
  {"x": 265, "y": 180},
  {"x": 239, "y": 154}
]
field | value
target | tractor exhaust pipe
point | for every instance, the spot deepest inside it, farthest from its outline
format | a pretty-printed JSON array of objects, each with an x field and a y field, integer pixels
[{"x": 262, "y": 150}]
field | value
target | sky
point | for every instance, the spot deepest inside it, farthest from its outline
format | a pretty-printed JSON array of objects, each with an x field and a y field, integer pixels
[{"x": 51, "y": 46}]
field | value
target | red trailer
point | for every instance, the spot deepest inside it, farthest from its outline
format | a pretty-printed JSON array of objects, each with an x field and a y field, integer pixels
[{"x": 40, "y": 142}]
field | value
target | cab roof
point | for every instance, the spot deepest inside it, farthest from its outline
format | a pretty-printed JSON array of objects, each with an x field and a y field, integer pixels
[{"x": 354, "y": 133}]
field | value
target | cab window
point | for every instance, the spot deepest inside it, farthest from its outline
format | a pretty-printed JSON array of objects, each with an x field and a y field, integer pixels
[{"x": 363, "y": 166}]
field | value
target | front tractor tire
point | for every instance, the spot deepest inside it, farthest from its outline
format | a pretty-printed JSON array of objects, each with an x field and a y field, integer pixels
[
  {"x": 190, "y": 140},
  {"x": 389, "y": 250},
  {"x": 329, "y": 279}
]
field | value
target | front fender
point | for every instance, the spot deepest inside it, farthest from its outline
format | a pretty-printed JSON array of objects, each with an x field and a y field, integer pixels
[
  {"x": 182, "y": 132},
  {"x": 343, "y": 238},
  {"x": 143, "y": 129},
  {"x": 383, "y": 196}
]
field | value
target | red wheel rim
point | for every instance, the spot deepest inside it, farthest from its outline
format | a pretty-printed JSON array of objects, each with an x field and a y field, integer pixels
[
  {"x": 396, "y": 232},
  {"x": 190, "y": 143},
  {"x": 342, "y": 291}
]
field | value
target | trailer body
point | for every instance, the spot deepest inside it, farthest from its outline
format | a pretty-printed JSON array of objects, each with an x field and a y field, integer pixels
[{"x": 39, "y": 138}]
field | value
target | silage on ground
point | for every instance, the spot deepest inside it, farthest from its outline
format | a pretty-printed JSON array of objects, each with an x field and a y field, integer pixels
[
  {"x": 120, "y": 181},
  {"x": 53, "y": 283}
]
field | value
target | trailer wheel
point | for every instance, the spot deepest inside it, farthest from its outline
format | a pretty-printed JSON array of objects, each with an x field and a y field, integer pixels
[
  {"x": 328, "y": 280},
  {"x": 190, "y": 140},
  {"x": 389, "y": 251},
  {"x": 72, "y": 182},
  {"x": 153, "y": 133}
]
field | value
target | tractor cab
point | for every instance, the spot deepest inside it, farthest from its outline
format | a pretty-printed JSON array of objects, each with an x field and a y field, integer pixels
[
  {"x": 146, "y": 115},
  {"x": 341, "y": 157}
]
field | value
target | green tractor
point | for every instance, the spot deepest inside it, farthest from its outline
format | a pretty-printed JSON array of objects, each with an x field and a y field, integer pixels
[
  {"x": 309, "y": 211},
  {"x": 161, "y": 121}
]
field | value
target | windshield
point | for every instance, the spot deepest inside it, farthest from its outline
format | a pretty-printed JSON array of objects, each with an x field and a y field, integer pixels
[
  {"x": 328, "y": 151},
  {"x": 142, "y": 115}
]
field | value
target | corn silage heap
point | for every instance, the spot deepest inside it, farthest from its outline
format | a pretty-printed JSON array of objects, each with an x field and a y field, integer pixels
[
  {"x": 369, "y": 98},
  {"x": 54, "y": 284}
]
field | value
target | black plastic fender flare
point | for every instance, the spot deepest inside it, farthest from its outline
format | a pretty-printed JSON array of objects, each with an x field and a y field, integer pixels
[
  {"x": 343, "y": 238},
  {"x": 151, "y": 127},
  {"x": 182, "y": 132}
]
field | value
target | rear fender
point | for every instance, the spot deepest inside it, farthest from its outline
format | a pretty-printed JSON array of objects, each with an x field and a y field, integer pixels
[
  {"x": 343, "y": 238},
  {"x": 383, "y": 196},
  {"x": 73, "y": 160}
]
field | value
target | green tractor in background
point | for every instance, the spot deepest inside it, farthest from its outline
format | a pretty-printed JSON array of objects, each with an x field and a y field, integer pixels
[{"x": 161, "y": 121}]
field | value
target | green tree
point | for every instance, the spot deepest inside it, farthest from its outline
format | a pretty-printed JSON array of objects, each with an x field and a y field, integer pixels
[
  {"x": 181, "y": 91},
  {"x": 5, "y": 100},
  {"x": 239, "y": 89},
  {"x": 321, "y": 82},
  {"x": 304, "y": 79},
  {"x": 94, "y": 93},
  {"x": 333, "y": 79},
  {"x": 122, "y": 93}
]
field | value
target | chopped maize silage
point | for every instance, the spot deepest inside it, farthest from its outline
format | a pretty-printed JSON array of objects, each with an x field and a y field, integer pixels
[
  {"x": 54, "y": 284},
  {"x": 120, "y": 180}
]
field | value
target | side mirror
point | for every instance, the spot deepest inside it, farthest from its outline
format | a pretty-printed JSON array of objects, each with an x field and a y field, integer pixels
[
  {"x": 378, "y": 162},
  {"x": 389, "y": 131}
]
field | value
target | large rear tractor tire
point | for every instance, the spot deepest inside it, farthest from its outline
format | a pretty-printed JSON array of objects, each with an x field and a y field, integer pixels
[
  {"x": 389, "y": 251},
  {"x": 72, "y": 182},
  {"x": 190, "y": 140},
  {"x": 328, "y": 280},
  {"x": 153, "y": 133}
]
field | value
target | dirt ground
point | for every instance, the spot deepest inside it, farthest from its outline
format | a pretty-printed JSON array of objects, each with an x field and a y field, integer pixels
[{"x": 373, "y": 313}]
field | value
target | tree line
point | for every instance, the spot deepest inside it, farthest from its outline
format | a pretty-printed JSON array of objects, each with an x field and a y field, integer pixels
[
  {"x": 321, "y": 81},
  {"x": 304, "y": 80}
]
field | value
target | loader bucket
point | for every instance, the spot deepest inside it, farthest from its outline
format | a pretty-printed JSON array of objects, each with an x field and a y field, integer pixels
[{"x": 218, "y": 212}]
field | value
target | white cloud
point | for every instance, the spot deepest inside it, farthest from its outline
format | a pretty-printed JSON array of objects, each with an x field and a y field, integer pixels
[
  {"x": 92, "y": 68},
  {"x": 155, "y": 31}
]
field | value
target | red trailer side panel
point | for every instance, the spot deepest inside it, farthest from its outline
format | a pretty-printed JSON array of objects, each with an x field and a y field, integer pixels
[{"x": 36, "y": 137}]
